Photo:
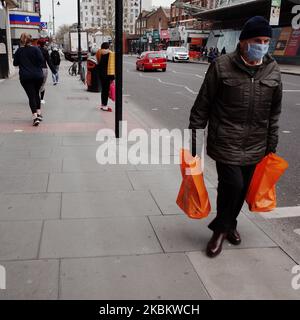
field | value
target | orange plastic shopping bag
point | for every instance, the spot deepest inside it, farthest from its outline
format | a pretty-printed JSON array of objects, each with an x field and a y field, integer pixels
[
  {"x": 261, "y": 196},
  {"x": 193, "y": 196}
]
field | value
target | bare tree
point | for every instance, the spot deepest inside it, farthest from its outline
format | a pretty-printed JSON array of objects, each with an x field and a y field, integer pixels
[{"x": 59, "y": 36}]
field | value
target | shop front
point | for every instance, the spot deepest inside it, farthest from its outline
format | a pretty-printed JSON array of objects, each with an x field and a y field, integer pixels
[
  {"x": 6, "y": 63},
  {"x": 22, "y": 21},
  {"x": 228, "y": 22},
  {"x": 175, "y": 37}
]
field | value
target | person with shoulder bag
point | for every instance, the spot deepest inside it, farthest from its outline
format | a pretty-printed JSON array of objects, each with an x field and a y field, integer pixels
[
  {"x": 55, "y": 59},
  {"x": 106, "y": 68}
]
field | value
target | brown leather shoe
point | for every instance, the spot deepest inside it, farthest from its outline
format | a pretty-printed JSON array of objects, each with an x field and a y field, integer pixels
[
  {"x": 214, "y": 246},
  {"x": 234, "y": 237}
]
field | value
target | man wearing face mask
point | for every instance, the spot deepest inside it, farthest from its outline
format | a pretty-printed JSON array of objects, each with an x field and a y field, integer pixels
[{"x": 240, "y": 100}]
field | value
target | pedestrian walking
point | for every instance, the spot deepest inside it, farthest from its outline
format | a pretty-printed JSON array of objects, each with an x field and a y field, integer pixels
[
  {"x": 211, "y": 56},
  {"x": 46, "y": 61},
  {"x": 106, "y": 68},
  {"x": 223, "y": 51},
  {"x": 240, "y": 100},
  {"x": 55, "y": 60},
  {"x": 29, "y": 59}
]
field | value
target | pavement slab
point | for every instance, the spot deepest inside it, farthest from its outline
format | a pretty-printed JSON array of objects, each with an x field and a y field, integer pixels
[
  {"x": 31, "y": 280},
  {"x": 41, "y": 206},
  {"x": 98, "y": 237},
  {"x": 149, "y": 277},
  {"x": 108, "y": 204},
  {"x": 91, "y": 165},
  {"x": 19, "y": 240},
  {"x": 84, "y": 182},
  {"x": 27, "y": 140},
  {"x": 178, "y": 233},
  {"x": 285, "y": 233},
  {"x": 166, "y": 200},
  {"x": 151, "y": 179},
  {"x": 250, "y": 274},
  {"x": 19, "y": 166},
  {"x": 30, "y": 183},
  {"x": 78, "y": 152},
  {"x": 80, "y": 141}
]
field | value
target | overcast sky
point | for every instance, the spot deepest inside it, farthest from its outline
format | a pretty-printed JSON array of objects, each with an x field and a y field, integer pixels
[{"x": 66, "y": 13}]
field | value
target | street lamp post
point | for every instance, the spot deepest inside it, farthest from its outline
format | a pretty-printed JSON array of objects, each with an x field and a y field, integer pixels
[
  {"x": 141, "y": 26},
  {"x": 53, "y": 16},
  {"x": 79, "y": 39},
  {"x": 119, "y": 66},
  {"x": 140, "y": 42},
  {"x": 53, "y": 19}
]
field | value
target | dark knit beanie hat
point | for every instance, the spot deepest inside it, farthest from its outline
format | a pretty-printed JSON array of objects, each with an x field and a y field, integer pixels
[{"x": 256, "y": 27}]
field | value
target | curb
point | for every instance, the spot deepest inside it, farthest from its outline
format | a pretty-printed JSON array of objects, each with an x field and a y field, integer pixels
[{"x": 291, "y": 73}]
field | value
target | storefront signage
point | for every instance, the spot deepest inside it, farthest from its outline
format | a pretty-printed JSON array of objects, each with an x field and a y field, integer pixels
[
  {"x": 275, "y": 12},
  {"x": 24, "y": 19}
]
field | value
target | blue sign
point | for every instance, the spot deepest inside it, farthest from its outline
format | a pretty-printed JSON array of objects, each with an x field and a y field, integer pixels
[
  {"x": 44, "y": 25},
  {"x": 24, "y": 19}
]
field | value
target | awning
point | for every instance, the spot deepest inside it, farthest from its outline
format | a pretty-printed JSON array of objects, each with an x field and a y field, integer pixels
[
  {"x": 11, "y": 4},
  {"x": 235, "y": 11}
]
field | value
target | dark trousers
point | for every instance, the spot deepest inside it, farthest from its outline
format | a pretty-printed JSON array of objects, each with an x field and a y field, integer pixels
[
  {"x": 105, "y": 84},
  {"x": 32, "y": 88},
  {"x": 233, "y": 185}
]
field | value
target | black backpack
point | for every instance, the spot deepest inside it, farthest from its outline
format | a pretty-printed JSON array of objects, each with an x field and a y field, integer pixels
[{"x": 55, "y": 58}]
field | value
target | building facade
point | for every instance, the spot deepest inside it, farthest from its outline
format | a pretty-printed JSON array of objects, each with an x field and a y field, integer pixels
[
  {"x": 100, "y": 14},
  {"x": 229, "y": 17},
  {"x": 25, "y": 18},
  {"x": 6, "y": 62},
  {"x": 186, "y": 29}
]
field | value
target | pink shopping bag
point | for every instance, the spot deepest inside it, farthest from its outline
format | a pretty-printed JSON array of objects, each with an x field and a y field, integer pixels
[{"x": 112, "y": 91}]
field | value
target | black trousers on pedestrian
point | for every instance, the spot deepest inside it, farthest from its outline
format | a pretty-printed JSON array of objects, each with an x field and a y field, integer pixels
[
  {"x": 105, "y": 84},
  {"x": 32, "y": 88},
  {"x": 233, "y": 185}
]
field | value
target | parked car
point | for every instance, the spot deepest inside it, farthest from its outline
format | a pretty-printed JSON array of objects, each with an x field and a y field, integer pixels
[
  {"x": 177, "y": 54},
  {"x": 151, "y": 60}
]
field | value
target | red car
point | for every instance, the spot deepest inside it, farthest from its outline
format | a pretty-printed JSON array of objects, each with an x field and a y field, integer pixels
[{"x": 152, "y": 60}]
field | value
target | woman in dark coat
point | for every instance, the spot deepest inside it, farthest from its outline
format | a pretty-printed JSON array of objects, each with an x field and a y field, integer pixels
[
  {"x": 30, "y": 60},
  {"x": 106, "y": 67}
]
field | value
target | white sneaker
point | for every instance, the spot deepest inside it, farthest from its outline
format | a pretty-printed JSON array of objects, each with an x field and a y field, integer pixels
[{"x": 43, "y": 101}]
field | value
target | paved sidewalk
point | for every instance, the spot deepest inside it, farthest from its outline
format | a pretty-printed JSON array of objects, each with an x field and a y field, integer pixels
[{"x": 73, "y": 229}]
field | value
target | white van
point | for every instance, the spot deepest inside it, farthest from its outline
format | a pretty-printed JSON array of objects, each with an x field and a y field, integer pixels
[{"x": 177, "y": 54}]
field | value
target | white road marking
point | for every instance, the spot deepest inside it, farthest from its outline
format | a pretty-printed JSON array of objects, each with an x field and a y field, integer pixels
[
  {"x": 126, "y": 95},
  {"x": 286, "y": 131},
  {"x": 189, "y": 74},
  {"x": 169, "y": 83},
  {"x": 291, "y": 83},
  {"x": 285, "y": 212},
  {"x": 18, "y": 130},
  {"x": 297, "y": 104},
  {"x": 154, "y": 109},
  {"x": 185, "y": 95},
  {"x": 190, "y": 90},
  {"x": 127, "y": 62},
  {"x": 297, "y": 231},
  {"x": 291, "y": 90}
]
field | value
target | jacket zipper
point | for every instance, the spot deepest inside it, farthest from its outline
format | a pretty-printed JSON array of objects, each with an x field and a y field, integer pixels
[{"x": 250, "y": 112}]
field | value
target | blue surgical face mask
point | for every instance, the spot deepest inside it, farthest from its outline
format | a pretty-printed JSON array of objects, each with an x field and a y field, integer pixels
[{"x": 256, "y": 51}]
